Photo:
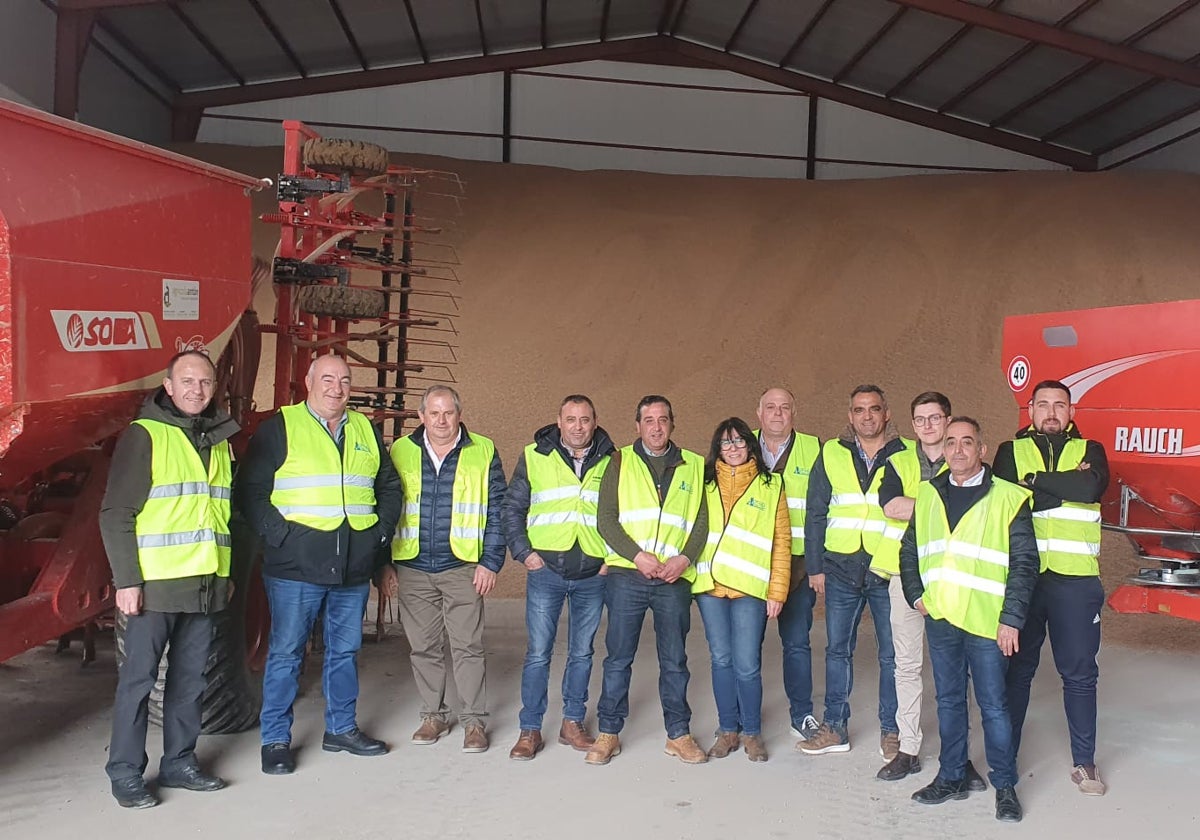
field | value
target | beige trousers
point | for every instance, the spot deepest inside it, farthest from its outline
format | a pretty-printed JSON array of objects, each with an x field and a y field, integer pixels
[
  {"x": 908, "y": 639},
  {"x": 435, "y": 608}
]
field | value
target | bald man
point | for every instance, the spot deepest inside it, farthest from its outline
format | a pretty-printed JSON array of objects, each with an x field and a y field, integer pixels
[{"x": 318, "y": 487}]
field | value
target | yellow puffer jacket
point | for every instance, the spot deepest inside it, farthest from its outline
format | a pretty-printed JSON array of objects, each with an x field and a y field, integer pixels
[{"x": 732, "y": 482}]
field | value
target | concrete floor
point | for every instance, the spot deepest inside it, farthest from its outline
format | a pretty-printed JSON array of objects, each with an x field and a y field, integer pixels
[{"x": 55, "y": 733}]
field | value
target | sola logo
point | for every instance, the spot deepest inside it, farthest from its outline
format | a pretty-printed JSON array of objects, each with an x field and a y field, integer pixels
[
  {"x": 87, "y": 331},
  {"x": 75, "y": 330}
]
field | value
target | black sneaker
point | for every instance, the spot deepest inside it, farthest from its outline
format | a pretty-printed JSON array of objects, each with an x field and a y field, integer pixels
[
  {"x": 277, "y": 760},
  {"x": 190, "y": 778},
  {"x": 1008, "y": 807},
  {"x": 132, "y": 793},
  {"x": 939, "y": 791},
  {"x": 975, "y": 782},
  {"x": 353, "y": 742},
  {"x": 899, "y": 767}
]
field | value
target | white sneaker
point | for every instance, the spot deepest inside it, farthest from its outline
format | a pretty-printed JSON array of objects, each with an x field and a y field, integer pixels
[{"x": 807, "y": 729}]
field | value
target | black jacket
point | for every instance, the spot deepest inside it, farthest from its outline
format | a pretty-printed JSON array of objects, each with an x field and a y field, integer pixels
[
  {"x": 437, "y": 503},
  {"x": 1023, "y": 560},
  {"x": 571, "y": 564},
  {"x": 848, "y": 568},
  {"x": 126, "y": 493},
  {"x": 1052, "y": 488},
  {"x": 340, "y": 557}
]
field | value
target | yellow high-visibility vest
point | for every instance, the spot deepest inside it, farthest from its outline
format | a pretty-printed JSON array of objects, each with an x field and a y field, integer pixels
[
  {"x": 183, "y": 528},
  {"x": 562, "y": 507},
  {"x": 738, "y": 552},
  {"x": 319, "y": 487},
  {"x": 855, "y": 518},
  {"x": 661, "y": 529},
  {"x": 469, "y": 498},
  {"x": 885, "y": 562},
  {"x": 801, "y": 457},
  {"x": 965, "y": 570},
  {"x": 1068, "y": 536}
]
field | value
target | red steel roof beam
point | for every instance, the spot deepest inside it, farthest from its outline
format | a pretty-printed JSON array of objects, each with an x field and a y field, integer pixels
[
  {"x": 886, "y": 107},
  {"x": 1079, "y": 72},
  {"x": 1059, "y": 38},
  {"x": 1029, "y": 47},
  {"x": 934, "y": 56}
]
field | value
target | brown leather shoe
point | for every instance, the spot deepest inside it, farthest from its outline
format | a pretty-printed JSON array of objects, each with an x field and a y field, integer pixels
[
  {"x": 606, "y": 747},
  {"x": 475, "y": 740},
  {"x": 430, "y": 730},
  {"x": 528, "y": 745},
  {"x": 755, "y": 749},
  {"x": 726, "y": 743},
  {"x": 685, "y": 749},
  {"x": 574, "y": 735}
]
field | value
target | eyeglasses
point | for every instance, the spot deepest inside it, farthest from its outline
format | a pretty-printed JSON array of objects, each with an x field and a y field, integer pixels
[
  {"x": 931, "y": 420},
  {"x": 732, "y": 443}
]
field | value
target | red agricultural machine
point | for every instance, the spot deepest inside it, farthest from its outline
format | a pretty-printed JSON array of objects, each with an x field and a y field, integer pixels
[
  {"x": 115, "y": 255},
  {"x": 1132, "y": 372}
]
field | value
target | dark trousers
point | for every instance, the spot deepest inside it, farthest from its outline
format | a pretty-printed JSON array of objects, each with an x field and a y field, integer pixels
[
  {"x": 795, "y": 623},
  {"x": 957, "y": 655},
  {"x": 627, "y": 596},
  {"x": 146, "y": 635},
  {"x": 1069, "y": 608}
]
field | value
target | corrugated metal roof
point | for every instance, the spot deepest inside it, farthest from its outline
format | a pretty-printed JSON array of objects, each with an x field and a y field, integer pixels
[{"x": 1082, "y": 73}]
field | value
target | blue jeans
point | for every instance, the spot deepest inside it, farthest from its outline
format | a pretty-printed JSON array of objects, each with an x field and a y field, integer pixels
[
  {"x": 844, "y": 606},
  {"x": 795, "y": 624},
  {"x": 627, "y": 596},
  {"x": 954, "y": 653},
  {"x": 545, "y": 593},
  {"x": 735, "y": 628},
  {"x": 294, "y": 607}
]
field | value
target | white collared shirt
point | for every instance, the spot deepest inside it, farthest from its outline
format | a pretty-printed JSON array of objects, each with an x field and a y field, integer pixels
[
  {"x": 973, "y": 481},
  {"x": 433, "y": 456}
]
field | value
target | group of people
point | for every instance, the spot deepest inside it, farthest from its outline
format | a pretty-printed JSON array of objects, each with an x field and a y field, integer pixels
[{"x": 978, "y": 561}]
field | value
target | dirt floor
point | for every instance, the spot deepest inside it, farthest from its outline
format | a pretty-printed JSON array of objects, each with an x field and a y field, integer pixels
[{"x": 52, "y": 752}]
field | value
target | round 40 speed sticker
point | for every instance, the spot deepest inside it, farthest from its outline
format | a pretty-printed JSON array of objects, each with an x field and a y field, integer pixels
[{"x": 1018, "y": 373}]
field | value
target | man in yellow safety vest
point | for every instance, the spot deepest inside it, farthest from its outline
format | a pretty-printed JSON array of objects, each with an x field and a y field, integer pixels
[
  {"x": 1068, "y": 475},
  {"x": 317, "y": 486},
  {"x": 968, "y": 563},
  {"x": 445, "y": 558},
  {"x": 791, "y": 455},
  {"x": 550, "y": 525},
  {"x": 841, "y": 532},
  {"x": 165, "y": 525},
  {"x": 653, "y": 517}
]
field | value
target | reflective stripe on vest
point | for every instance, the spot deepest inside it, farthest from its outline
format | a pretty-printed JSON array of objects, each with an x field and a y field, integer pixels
[
  {"x": 318, "y": 487},
  {"x": 738, "y": 553},
  {"x": 885, "y": 562},
  {"x": 801, "y": 457},
  {"x": 662, "y": 529},
  {"x": 469, "y": 498},
  {"x": 965, "y": 571},
  {"x": 1068, "y": 536},
  {"x": 562, "y": 507},
  {"x": 183, "y": 528},
  {"x": 855, "y": 518}
]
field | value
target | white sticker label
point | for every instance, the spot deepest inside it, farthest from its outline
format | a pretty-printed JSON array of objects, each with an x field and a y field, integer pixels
[
  {"x": 1018, "y": 373},
  {"x": 88, "y": 331},
  {"x": 181, "y": 300}
]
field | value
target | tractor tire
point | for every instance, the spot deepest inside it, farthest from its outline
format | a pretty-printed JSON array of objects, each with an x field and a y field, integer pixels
[
  {"x": 353, "y": 156},
  {"x": 231, "y": 697},
  {"x": 341, "y": 301}
]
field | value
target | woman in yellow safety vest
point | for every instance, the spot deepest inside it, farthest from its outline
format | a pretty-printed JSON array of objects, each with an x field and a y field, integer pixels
[{"x": 742, "y": 579}]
